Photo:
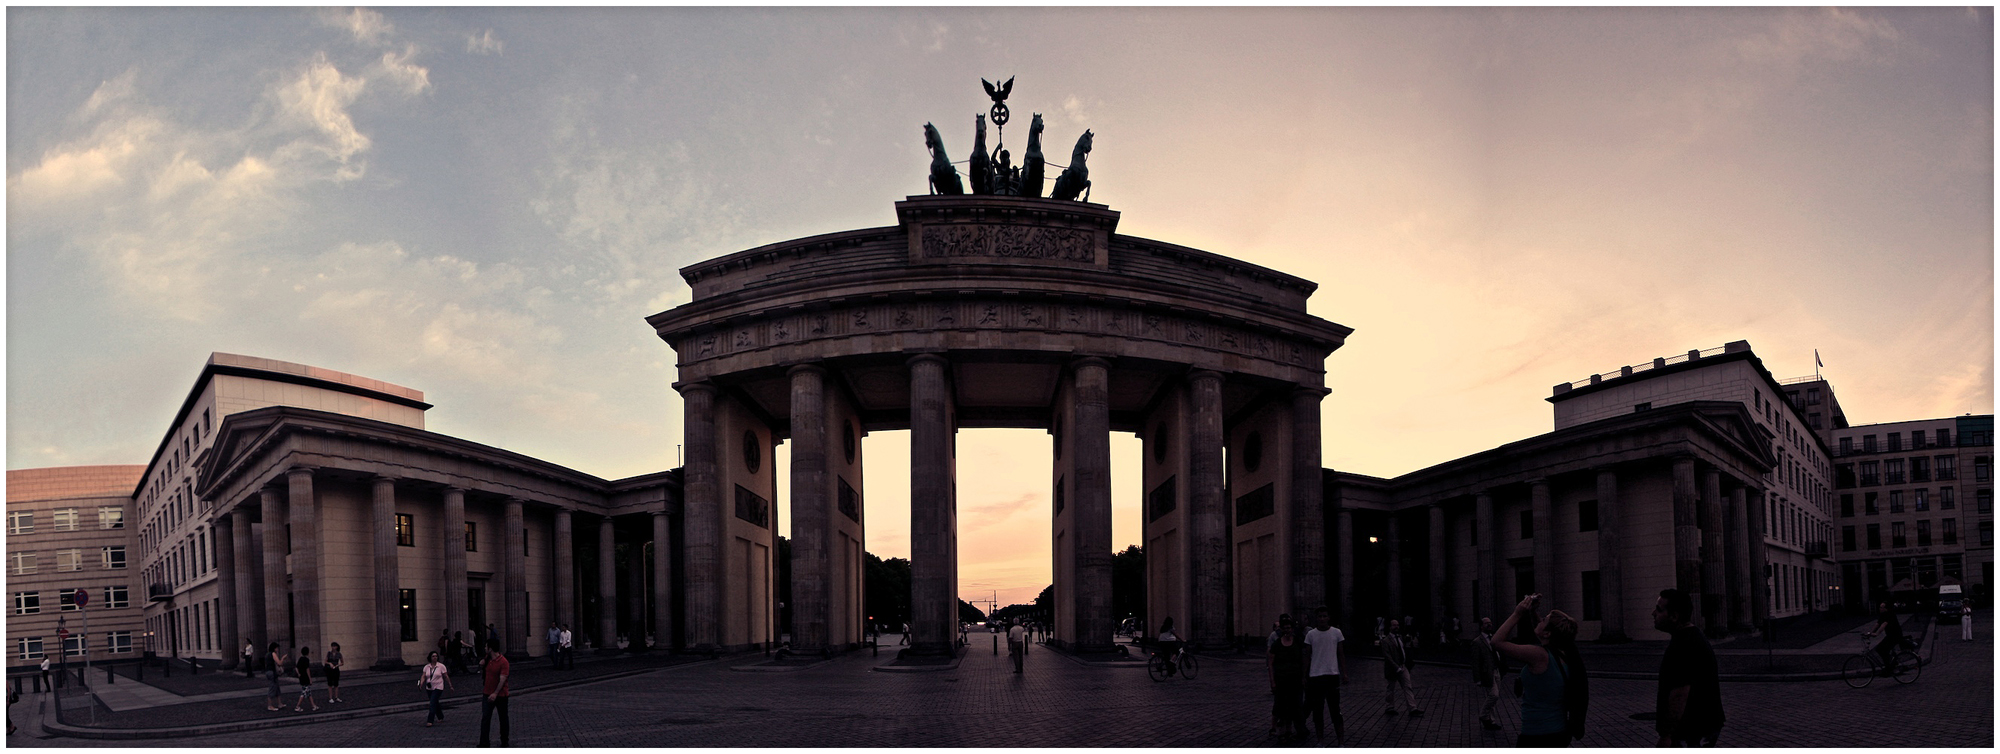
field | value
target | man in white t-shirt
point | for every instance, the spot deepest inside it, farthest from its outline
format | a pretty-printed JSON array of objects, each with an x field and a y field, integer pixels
[
  {"x": 1323, "y": 675},
  {"x": 567, "y": 647}
]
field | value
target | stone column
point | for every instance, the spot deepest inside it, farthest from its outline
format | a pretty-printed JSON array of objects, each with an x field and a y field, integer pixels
[
  {"x": 277, "y": 581},
  {"x": 1343, "y": 542},
  {"x": 249, "y": 584},
  {"x": 933, "y": 606},
  {"x": 702, "y": 518},
  {"x": 1208, "y": 517},
  {"x": 1496, "y": 606},
  {"x": 304, "y": 515},
  {"x": 565, "y": 568},
  {"x": 1307, "y": 565},
  {"x": 607, "y": 586},
  {"x": 1760, "y": 584},
  {"x": 1714, "y": 588},
  {"x": 812, "y": 603},
  {"x": 1540, "y": 509},
  {"x": 663, "y": 584},
  {"x": 1395, "y": 541},
  {"x": 1610, "y": 579},
  {"x": 457, "y": 593},
  {"x": 1687, "y": 536},
  {"x": 224, "y": 533},
  {"x": 1738, "y": 535},
  {"x": 515, "y": 640},
  {"x": 1091, "y": 446},
  {"x": 388, "y": 601},
  {"x": 1438, "y": 601},
  {"x": 635, "y": 598}
]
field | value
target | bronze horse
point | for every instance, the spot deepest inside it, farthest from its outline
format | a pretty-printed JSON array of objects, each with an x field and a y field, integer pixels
[
  {"x": 1075, "y": 179},
  {"x": 1031, "y": 161},
  {"x": 982, "y": 164},
  {"x": 944, "y": 177}
]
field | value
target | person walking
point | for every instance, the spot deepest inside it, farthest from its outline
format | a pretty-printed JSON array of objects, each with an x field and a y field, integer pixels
[
  {"x": 46, "y": 686},
  {"x": 304, "y": 666},
  {"x": 1284, "y": 619},
  {"x": 1326, "y": 648},
  {"x": 434, "y": 679},
  {"x": 444, "y": 646},
  {"x": 494, "y": 696},
  {"x": 249, "y": 657},
  {"x": 1396, "y": 671},
  {"x": 1555, "y": 691},
  {"x": 554, "y": 638},
  {"x": 272, "y": 663},
  {"x": 567, "y": 648},
  {"x": 334, "y": 661},
  {"x": 1486, "y": 671},
  {"x": 906, "y": 635},
  {"x": 1287, "y": 660},
  {"x": 1965, "y": 619},
  {"x": 1689, "y": 701},
  {"x": 1017, "y": 643}
]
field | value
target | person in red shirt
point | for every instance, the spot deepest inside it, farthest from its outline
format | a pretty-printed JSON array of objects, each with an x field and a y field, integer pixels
[{"x": 495, "y": 695}]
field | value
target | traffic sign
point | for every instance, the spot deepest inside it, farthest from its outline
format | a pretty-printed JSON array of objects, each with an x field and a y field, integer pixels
[
  {"x": 62, "y": 633},
  {"x": 82, "y": 598}
]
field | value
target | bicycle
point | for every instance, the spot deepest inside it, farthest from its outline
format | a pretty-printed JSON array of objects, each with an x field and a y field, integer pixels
[
  {"x": 1861, "y": 669},
  {"x": 1182, "y": 661}
]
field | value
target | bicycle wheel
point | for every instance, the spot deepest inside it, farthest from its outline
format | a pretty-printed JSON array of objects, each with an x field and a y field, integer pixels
[
  {"x": 1859, "y": 671},
  {"x": 1907, "y": 668},
  {"x": 1156, "y": 666},
  {"x": 1187, "y": 667}
]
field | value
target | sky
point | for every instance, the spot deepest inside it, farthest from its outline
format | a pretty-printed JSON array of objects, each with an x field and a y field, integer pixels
[{"x": 484, "y": 204}]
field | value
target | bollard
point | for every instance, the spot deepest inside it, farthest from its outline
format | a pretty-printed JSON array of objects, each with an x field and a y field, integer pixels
[
  {"x": 996, "y": 645},
  {"x": 108, "y": 677}
]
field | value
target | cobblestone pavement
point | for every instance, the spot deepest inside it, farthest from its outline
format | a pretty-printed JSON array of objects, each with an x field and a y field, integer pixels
[{"x": 1062, "y": 703}]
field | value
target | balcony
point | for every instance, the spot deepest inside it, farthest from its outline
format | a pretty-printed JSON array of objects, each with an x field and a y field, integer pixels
[
  {"x": 1816, "y": 549},
  {"x": 159, "y": 592}
]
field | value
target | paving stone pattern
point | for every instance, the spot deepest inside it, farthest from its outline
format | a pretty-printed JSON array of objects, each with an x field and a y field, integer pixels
[{"x": 1061, "y": 703}]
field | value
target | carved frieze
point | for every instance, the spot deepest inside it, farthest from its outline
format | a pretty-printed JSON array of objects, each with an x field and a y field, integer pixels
[{"x": 948, "y": 240}]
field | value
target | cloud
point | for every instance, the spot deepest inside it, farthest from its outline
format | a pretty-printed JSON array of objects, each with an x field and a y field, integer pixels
[
  {"x": 367, "y": 26},
  {"x": 484, "y": 43},
  {"x": 620, "y": 210},
  {"x": 112, "y": 90},
  {"x": 413, "y": 79},
  {"x": 319, "y": 98}
]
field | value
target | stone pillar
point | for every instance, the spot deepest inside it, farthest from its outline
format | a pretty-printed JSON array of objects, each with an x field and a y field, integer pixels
[
  {"x": 224, "y": 534},
  {"x": 304, "y": 516},
  {"x": 607, "y": 586},
  {"x": 1540, "y": 509},
  {"x": 457, "y": 593},
  {"x": 1486, "y": 567},
  {"x": 388, "y": 601},
  {"x": 1438, "y": 602},
  {"x": 1610, "y": 579},
  {"x": 1714, "y": 588},
  {"x": 515, "y": 640},
  {"x": 1687, "y": 536},
  {"x": 702, "y": 518},
  {"x": 812, "y": 604},
  {"x": 933, "y": 605},
  {"x": 635, "y": 597},
  {"x": 1307, "y": 565},
  {"x": 1208, "y": 515},
  {"x": 1395, "y": 541},
  {"x": 277, "y": 581},
  {"x": 1760, "y": 584},
  {"x": 249, "y": 585},
  {"x": 565, "y": 556},
  {"x": 1343, "y": 541},
  {"x": 1092, "y": 448},
  {"x": 663, "y": 584},
  {"x": 1737, "y": 533}
]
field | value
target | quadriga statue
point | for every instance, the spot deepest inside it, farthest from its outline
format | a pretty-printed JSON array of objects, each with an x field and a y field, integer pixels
[
  {"x": 944, "y": 177},
  {"x": 1075, "y": 179}
]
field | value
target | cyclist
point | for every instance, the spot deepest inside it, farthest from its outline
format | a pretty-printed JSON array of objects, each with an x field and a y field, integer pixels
[
  {"x": 1169, "y": 645},
  {"x": 1885, "y": 621}
]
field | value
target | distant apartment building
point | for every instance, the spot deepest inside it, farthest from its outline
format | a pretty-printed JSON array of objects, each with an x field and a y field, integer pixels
[
  {"x": 1915, "y": 506},
  {"x": 68, "y": 530}
]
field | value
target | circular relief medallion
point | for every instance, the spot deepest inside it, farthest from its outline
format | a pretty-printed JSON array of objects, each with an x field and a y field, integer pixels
[
  {"x": 753, "y": 451},
  {"x": 1253, "y": 451},
  {"x": 847, "y": 440}
]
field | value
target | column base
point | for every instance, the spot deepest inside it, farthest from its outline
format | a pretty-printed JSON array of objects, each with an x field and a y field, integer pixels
[
  {"x": 929, "y": 649},
  {"x": 392, "y": 664}
]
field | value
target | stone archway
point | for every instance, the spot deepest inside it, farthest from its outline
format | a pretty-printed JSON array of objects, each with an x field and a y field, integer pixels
[{"x": 985, "y": 311}]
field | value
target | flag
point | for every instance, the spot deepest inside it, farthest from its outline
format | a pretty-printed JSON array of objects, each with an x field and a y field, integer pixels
[{"x": 1816, "y": 361}]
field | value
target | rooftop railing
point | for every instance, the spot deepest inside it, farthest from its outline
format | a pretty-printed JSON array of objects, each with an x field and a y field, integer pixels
[{"x": 1658, "y": 363}]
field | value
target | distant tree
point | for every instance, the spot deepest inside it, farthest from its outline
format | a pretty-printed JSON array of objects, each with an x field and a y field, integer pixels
[
  {"x": 1045, "y": 605},
  {"x": 886, "y": 589},
  {"x": 1128, "y": 584},
  {"x": 969, "y": 614}
]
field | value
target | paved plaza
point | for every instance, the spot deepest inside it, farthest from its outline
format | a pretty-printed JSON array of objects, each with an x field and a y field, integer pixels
[{"x": 1060, "y": 702}]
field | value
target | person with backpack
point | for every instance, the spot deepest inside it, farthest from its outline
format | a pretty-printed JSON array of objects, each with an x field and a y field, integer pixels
[{"x": 1555, "y": 691}]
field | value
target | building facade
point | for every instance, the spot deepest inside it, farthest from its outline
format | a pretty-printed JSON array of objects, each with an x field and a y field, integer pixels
[
  {"x": 1916, "y": 507},
  {"x": 67, "y": 529}
]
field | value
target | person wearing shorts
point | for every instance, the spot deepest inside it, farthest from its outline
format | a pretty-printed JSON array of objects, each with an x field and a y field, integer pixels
[
  {"x": 333, "y": 663},
  {"x": 305, "y": 682}
]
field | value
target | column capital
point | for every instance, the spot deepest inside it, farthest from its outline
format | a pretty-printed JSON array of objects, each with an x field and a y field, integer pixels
[
  {"x": 684, "y": 388},
  {"x": 297, "y": 470},
  {"x": 1540, "y": 481},
  {"x": 1090, "y": 361},
  {"x": 1314, "y": 391},
  {"x": 658, "y": 514},
  {"x": 923, "y": 358},
  {"x": 381, "y": 478},
  {"x": 1203, "y": 375},
  {"x": 808, "y": 368}
]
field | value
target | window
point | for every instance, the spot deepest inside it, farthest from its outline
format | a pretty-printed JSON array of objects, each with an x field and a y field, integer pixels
[
  {"x": 406, "y": 530},
  {"x": 1895, "y": 441},
  {"x": 1586, "y": 518},
  {"x": 1847, "y": 539},
  {"x": 111, "y": 518},
  {"x": 1945, "y": 498},
  {"x": 1870, "y": 474},
  {"x": 1843, "y": 476},
  {"x": 1920, "y": 499},
  {"x": 1947, "y": 467},
  {"x": 1527, "y": 524},
  {"x": 408, "y": 612},
  {"x": 1592, "y": 599},
  {"x": 1812, "y": 396},
  {"x": 1896, "y": 536},
  {"x": 471, "y": 536},
  {"x": 23, "y": 563},
  {"x": 1982, "y": 469},
  {"x": 1813, "y": 419},
  {"x": 30, "y": 647},
  {"x": 1867, "y": 443},
  {"x": 27, "y": 603},
  {"x": 1950, "y": 531},
  {"x": 1944, "y": 438},
  {"x": 116, "y": 596},
  {"x": 21, "y": 522},
  {"x": 1924, "y": 533},
  {"x": 65, "y": 519},
  {"x": 1847, "y": 446},
  {"x": 67, "y": 599},
  {"x": 1985, "y": 501},
  {"x": 114, "y": 557},
  {"x": 1895, "y": 501},
  {"x": 1869, "y": 505},
  {"x": 1847, "y": 505},
  {"x": 1893, "y": 470},
  {"x": 1920, "y": 469},
  {"x": 1916, "y": 439},
  {"x": 1986, "y": 533},
  {"x": 70, "y": 559},
  {"x": 1874, "y": 536},
  {"x": 118, "y": 642},
  {"x": 74, "y": 644}
]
